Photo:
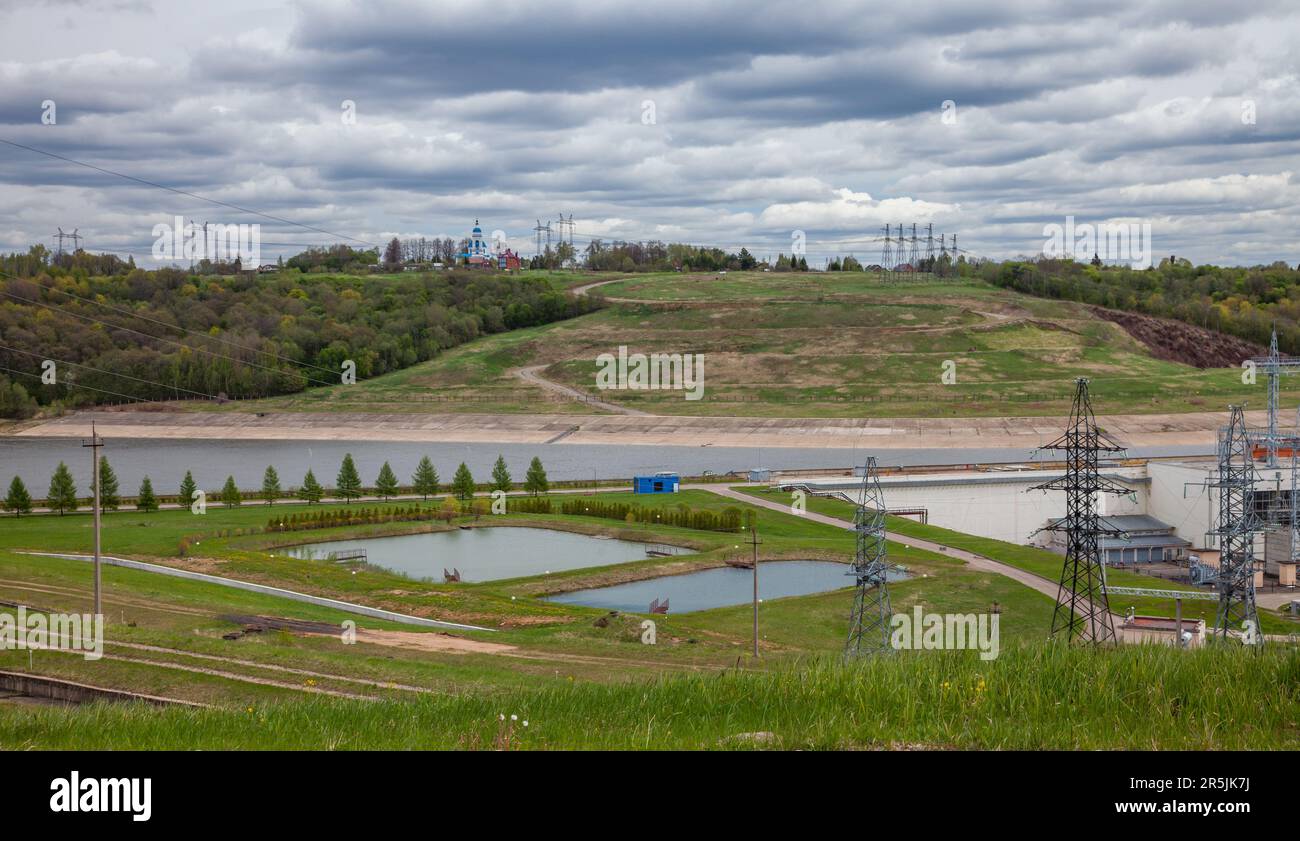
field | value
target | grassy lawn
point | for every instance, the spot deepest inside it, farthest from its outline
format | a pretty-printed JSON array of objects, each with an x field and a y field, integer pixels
[
  {"x": 150, "y": 609},
  {"x": 582, "y": 676},
  {"x": 1034, "y": 697}
]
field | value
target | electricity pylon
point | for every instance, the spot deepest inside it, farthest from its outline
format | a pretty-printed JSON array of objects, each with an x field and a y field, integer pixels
[
  {"x": 1235, "y": 531},
  {"x": 870, "y": 620},
  {"x": 1082, "y": 606},
  {"x": 1275, "y": 367},
  {"x": 869, "y": 623}
]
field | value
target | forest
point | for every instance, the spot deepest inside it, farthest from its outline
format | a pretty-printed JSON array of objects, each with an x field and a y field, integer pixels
[
  {"x": 168, "y": 334},
  {"x": 1239, "y": 301}
]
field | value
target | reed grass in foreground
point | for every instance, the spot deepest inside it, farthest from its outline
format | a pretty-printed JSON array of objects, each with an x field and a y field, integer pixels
[{"x": 1032, "y": 697}]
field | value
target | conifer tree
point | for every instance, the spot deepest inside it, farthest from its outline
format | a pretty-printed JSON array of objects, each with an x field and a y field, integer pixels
[
  {"x": 18, "y": 500},
  {"x": 109, "y": 493},
  {"x": 63, "y": 491},
  {"x": 311, "y": 491},
  {"x": 535, "y": 481},
  {"x": 501, "y": 480},
  {"x": 271, "y": 490},
  {"x": 188, "y": 488},
  {"x": 349, "y": 481},
  {"x": 144, "y": 499},
  {"x": 386, "y": 484},
  {"x": 230, "y": 495},
  {"x": 462, "y": 484},
  {"x": 425, "y": 479}
]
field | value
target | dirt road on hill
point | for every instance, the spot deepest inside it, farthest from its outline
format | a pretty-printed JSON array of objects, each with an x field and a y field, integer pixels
[{"x": 532, "y": 375}]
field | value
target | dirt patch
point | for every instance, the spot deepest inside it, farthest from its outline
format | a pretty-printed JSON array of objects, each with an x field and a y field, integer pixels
[
  {"x": 440, "y": 642},
  {"x": 437, "y": 641},
  {"x": 1177, "y": 341},
  {"x": 190, "y": 563}
]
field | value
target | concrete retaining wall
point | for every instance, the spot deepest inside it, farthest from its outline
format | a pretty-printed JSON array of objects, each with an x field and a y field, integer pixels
[{"x": 36, "y": 686}]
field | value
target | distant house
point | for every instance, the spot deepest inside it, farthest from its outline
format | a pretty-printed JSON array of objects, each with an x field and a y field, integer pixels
[
  {"x": 269, "y": 268},
  {"x": 508, "y": 260}
]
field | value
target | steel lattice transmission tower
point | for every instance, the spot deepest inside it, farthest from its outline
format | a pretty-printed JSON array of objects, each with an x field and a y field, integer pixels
[
  {"x": 869, "y": 623},
  {"x": 886, "y": 253},
  {"x": 1236, "y": 530},
  {"x": 1275, "y": 366},
  {"x": 1294, "y": 496},
  {"x": 870, "y": 620},
  {"x": 1082, "y": 606}
]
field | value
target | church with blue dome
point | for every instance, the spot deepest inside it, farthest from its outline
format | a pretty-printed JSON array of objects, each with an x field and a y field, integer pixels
[{"x": 479, "y": 253}]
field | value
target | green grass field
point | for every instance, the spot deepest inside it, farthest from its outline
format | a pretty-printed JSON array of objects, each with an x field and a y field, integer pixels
[
  {"x": 1037, "y": 697},
  {"x": 400, "y": 685},
  {"x": 808, "y": 345}
]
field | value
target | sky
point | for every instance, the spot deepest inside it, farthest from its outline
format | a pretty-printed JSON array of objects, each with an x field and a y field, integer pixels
[{"x": 719, "y": 123}]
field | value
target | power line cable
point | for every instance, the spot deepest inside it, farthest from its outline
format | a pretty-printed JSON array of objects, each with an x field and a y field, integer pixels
[
  {"x": 110, "y": 373},
  {"x": 53, "y": 308},
  {"x": 83, "y": 387},
  {"x": 227, "y": 342}
]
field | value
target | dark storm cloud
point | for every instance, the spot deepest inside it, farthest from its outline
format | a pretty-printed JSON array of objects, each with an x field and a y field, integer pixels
[{"x": 819, "y": 116}]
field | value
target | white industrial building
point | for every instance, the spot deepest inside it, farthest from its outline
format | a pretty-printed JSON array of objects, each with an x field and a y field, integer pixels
[
  {"x": 1168, "y": 514},
  {"x": 995, "y": 502}
]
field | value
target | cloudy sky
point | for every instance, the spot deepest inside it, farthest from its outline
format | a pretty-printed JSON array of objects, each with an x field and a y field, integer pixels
[{"x": 708, "y": 122}]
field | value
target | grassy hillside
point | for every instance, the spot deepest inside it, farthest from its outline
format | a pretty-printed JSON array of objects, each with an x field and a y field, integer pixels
[{"x": 816, "y": 345}]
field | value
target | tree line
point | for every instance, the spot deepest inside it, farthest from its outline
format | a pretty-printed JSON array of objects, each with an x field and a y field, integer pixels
[
  {"x": 1240, "y": 301},
  {"x": 425, "y": 482}
]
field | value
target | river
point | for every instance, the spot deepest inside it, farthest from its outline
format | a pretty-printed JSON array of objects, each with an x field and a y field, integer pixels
[{"x": 165, "y": 460}]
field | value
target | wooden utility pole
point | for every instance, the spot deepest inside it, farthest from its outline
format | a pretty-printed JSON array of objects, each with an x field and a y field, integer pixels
[
  {"x": 95, "y": 443},
  {"x": 754, "y": 541}
]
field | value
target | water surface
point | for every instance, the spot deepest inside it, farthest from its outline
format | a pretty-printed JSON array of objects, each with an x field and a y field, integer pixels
[
  {"x": 165, "y": 460},
  {"x": 481, "y": 554},
  {"x": 721, "y": 587}
]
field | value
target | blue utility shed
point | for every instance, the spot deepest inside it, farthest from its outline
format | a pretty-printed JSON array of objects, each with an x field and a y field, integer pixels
[{"x": 660, "y": 483}]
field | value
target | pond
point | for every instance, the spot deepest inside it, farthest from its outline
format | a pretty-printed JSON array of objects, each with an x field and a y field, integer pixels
[
  {"x": 481, "y": 554},
  {"x": 721, "y": 587}
]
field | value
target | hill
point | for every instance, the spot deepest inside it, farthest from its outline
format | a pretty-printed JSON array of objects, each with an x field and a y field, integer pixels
[{"x": 817, "y": 345}]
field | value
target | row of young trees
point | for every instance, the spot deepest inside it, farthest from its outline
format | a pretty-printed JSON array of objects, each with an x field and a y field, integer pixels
[{"x": 63, "y": 496}]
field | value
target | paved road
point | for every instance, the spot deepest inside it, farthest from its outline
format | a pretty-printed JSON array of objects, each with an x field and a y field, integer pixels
[
  {"x": 979, "y": 562},
  {"x": 266, "y": 589}
]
